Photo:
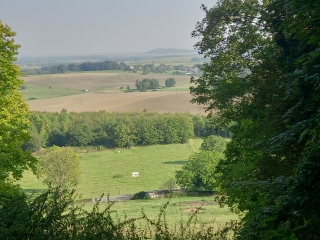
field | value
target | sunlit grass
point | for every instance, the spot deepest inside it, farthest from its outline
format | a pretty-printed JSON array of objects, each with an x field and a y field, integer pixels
[{"x": 110, "y": 172}]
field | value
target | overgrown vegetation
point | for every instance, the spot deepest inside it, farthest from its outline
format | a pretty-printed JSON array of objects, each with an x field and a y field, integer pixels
[
  {"x": 264, "y": 75},
  {"x": 49, "y": 216}
]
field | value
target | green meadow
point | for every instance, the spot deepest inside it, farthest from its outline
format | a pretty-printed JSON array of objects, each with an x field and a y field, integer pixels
[
  {"x": 178, "y": 210},
  {"x": 35, "y": 91},
  {"x": 110, "y": 171}
]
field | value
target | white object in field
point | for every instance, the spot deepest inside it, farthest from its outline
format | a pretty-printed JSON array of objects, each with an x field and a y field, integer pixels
[{"x": 135, "y": 174}]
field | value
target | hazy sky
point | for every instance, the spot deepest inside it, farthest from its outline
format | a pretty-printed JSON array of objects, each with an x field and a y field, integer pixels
[{"x": 80, "y": 27}]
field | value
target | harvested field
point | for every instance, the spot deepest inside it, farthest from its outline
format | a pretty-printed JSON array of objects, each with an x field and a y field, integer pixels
[
  {"x": 99, "y": 81},
  {"x": 65, "y": 91},
  {"x": 120, "y": 102}
]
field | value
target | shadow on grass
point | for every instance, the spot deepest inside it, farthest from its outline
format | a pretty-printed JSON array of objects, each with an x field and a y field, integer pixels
[{"x": 176, "y": 162}]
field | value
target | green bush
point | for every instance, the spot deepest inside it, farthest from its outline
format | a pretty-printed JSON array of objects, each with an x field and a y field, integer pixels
[{"x": 214, "y": 143}]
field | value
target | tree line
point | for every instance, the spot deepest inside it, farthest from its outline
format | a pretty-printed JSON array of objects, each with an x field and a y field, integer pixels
[
  {"x": 72, "y": 67},
  {"x": 116, "y": 129},
  {"x": 107, "y": 65}
]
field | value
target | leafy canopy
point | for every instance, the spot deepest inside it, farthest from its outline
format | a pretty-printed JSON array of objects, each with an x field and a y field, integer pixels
[
  {"x": 14, "y": 113},
  {"x": 264, "y": 76},
  {"x": 59, "y": 167},
  {"x": 215, "y": 143},
  {"x": 199, "y": 173}
]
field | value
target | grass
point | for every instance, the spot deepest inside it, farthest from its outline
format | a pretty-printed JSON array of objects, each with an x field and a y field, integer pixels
[
  {"x": 178, "y": 210},
  {"x": 110, "y": 172},
  {"x": 35, "y": 91},
  {"x": 174, "y": 89}
]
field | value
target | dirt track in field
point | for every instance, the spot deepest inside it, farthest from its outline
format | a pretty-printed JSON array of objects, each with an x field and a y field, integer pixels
[{"x": 121, "y": 102}]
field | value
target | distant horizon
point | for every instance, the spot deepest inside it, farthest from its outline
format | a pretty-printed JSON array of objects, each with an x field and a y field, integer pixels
[
  {"x": 101, "y": 54},
  {"x": 69, "y": 28}
]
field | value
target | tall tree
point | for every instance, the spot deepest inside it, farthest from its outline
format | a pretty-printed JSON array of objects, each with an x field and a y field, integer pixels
[
  {"x": 263, "y": 74},
  {"x": 170, "y": 82},
  {"x": 59, "y": 167},
  {"x": 14, "y": 114}
]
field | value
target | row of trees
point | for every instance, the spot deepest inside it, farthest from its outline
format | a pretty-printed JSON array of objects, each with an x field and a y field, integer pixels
[
  {"x": 146, "y": 84},
  {"x": 151, "y": 83},
  {"x": 106, "y": 65},
  {"x": 115, "y": 129},
  {"x": 86, "y": 66}
]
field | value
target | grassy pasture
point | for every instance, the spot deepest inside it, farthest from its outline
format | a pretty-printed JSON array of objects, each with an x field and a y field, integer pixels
[
  {"x": 178, "y": 210},
  {"x": 110, "y": 172},
  {"x": 35, "y": 91}
]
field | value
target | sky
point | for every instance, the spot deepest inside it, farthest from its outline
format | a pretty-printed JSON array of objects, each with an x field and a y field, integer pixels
[{"x": 98, "y": 27}]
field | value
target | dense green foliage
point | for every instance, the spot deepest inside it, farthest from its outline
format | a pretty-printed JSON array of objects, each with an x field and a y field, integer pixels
[
  {"x": 146, "y": 84},
  {"x": 170, "y": 82},
  {"x": 14, "y": 121},
  {"x": 52, "y": 217},
  {"x": 116, "y": 129},
  {"x": 264, "y": 75},
  {"x": 199, "y": 173},
  {"x": 86, "y": 66},
  {"x": 214, "y": 143}
]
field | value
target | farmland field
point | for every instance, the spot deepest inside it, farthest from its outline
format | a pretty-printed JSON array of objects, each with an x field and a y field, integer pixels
[{"x": 65, "y": 91}]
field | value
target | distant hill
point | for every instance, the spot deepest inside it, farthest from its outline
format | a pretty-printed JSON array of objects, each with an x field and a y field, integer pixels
[{"x": 170, "y": 51}]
